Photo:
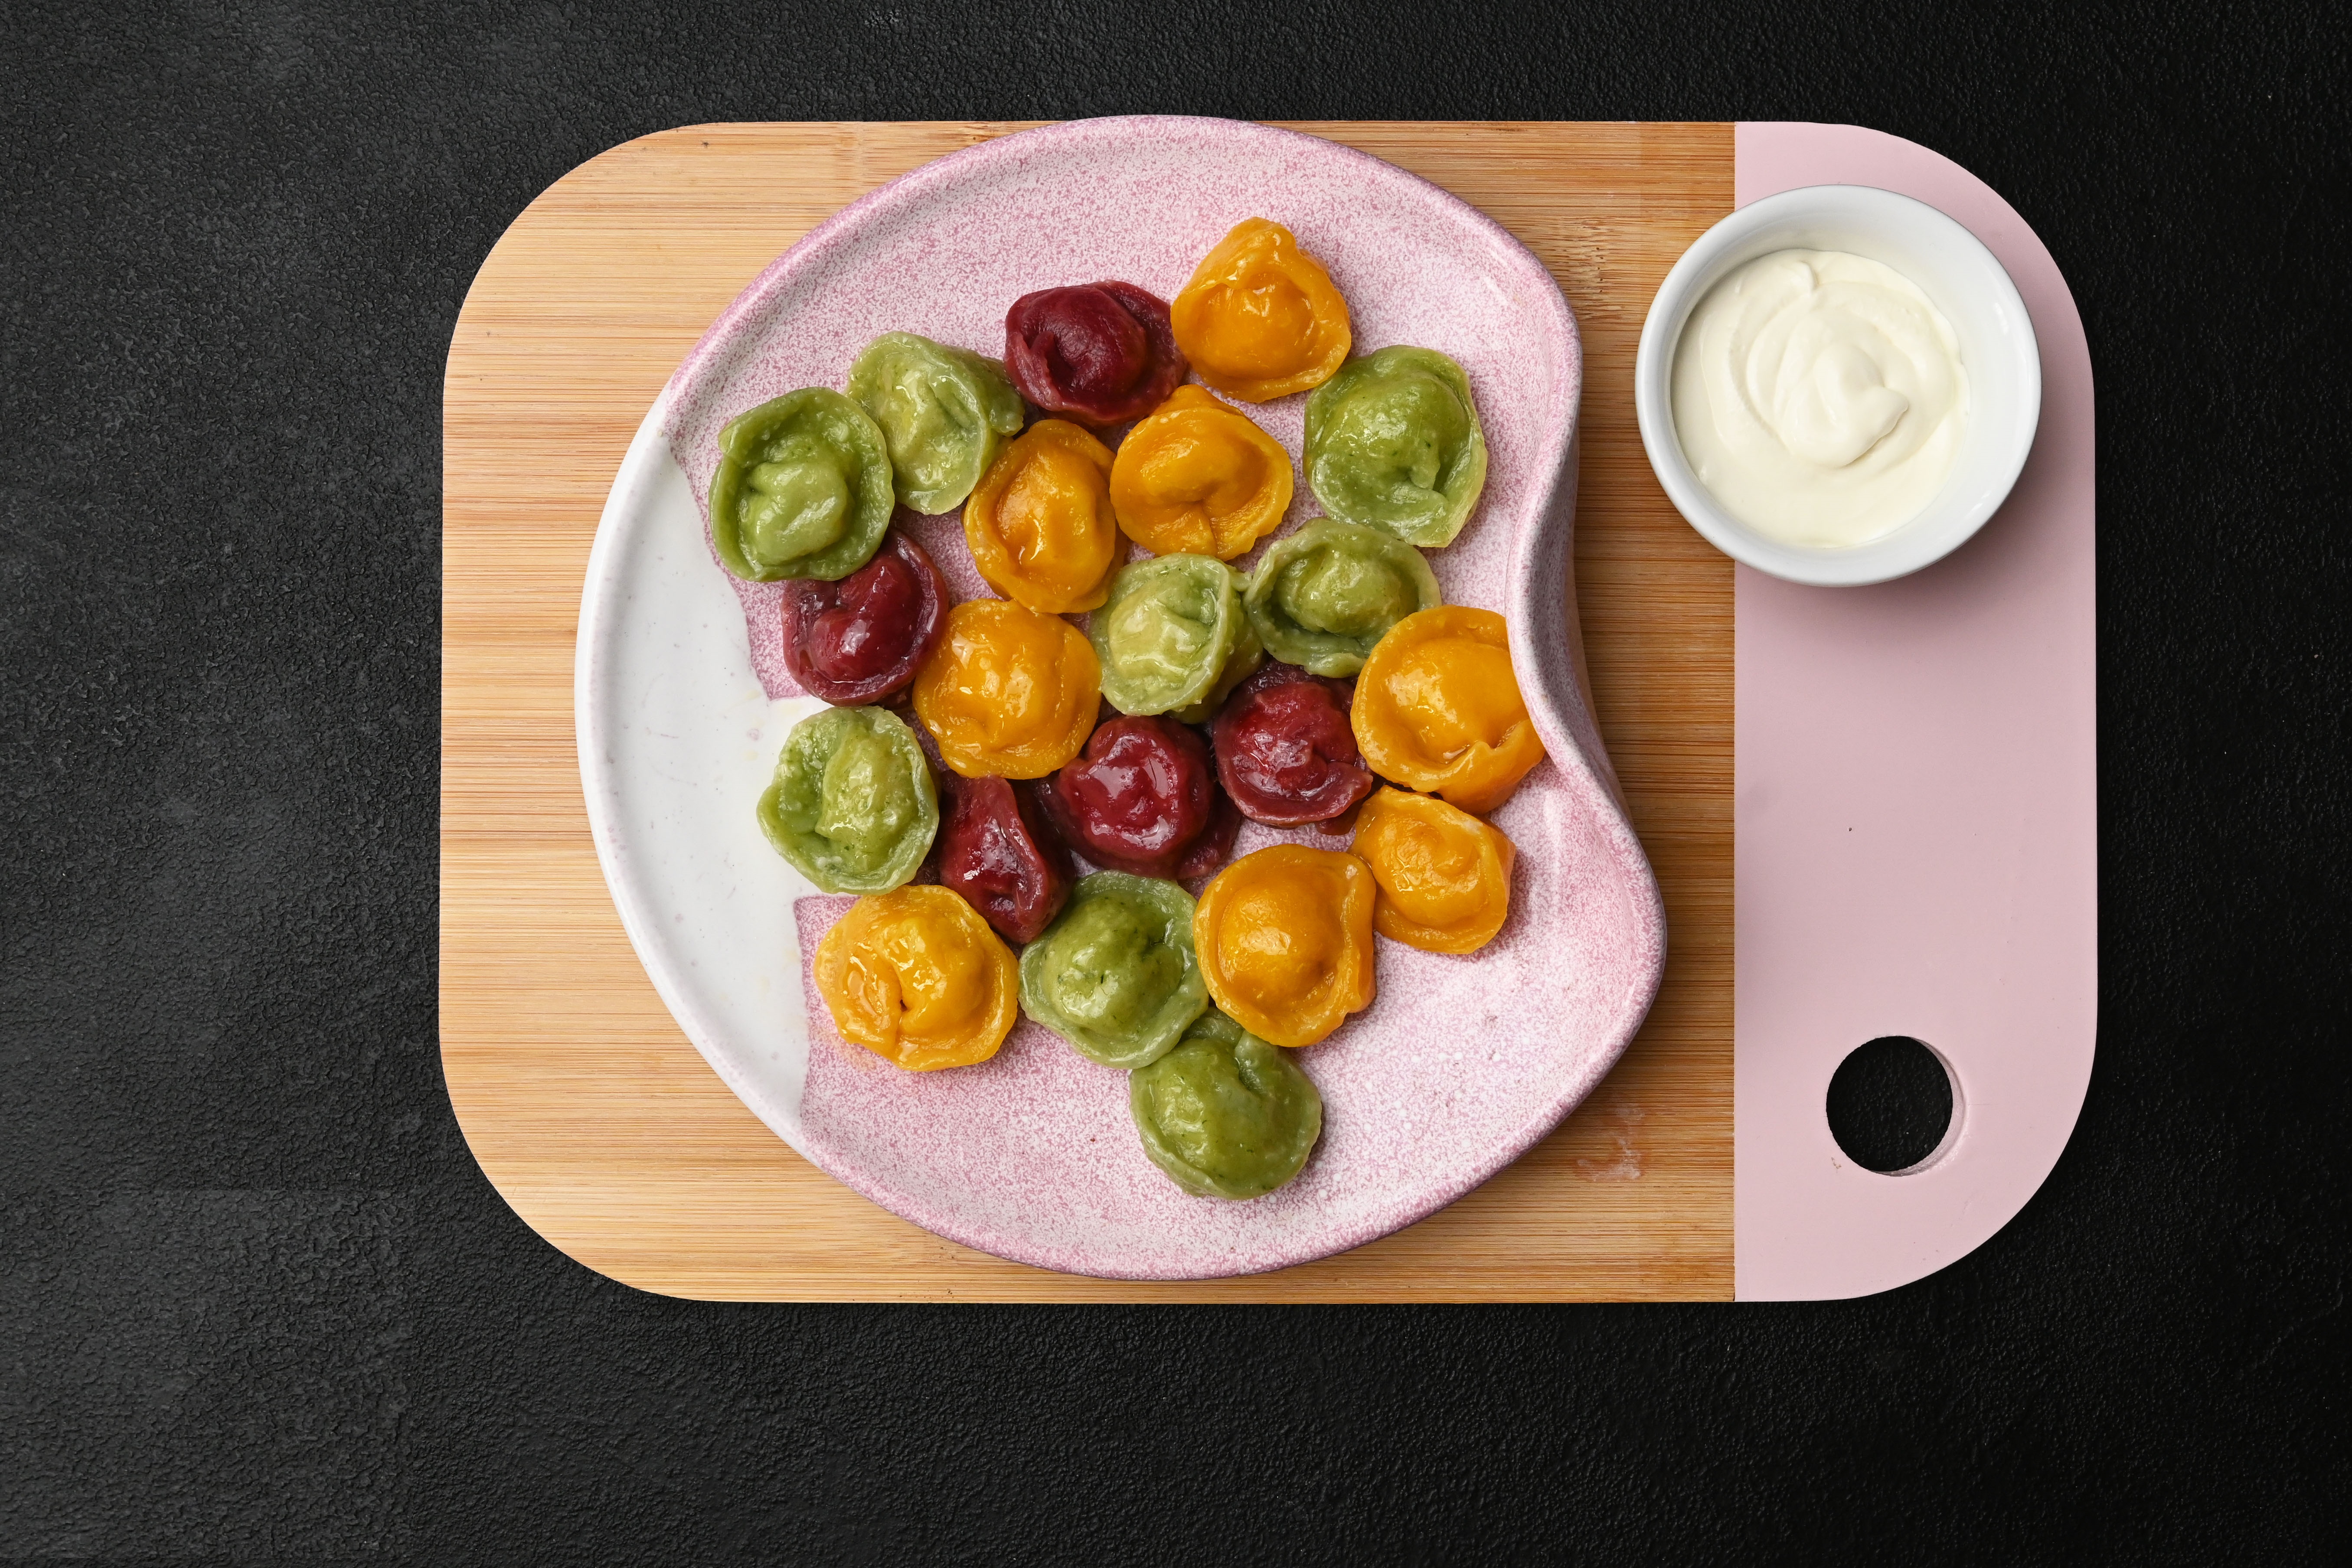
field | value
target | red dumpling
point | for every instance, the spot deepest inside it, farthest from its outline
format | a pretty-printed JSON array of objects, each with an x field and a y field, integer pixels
[
  {"x": 1285, "y": 751},
  {"x": 1005, "y": 863},
  {"x": 1143, "y": 799},
  {"x": 858, "y": 641},
  {"x": 1100, "y": 353}
]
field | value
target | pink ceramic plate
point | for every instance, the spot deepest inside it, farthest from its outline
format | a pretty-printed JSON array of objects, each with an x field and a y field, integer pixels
[{"x": 683, "y": 703}]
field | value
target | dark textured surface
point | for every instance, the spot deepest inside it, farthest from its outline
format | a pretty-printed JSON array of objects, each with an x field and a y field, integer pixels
[{"x": 257, "y": 1303}]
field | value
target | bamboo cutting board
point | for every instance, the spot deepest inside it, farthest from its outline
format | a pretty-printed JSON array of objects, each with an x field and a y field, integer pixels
[{"x": 587, "y": 1108}]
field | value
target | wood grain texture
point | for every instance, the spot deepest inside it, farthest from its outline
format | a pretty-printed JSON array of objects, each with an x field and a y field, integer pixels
[{"x": 587, "y": 1108}]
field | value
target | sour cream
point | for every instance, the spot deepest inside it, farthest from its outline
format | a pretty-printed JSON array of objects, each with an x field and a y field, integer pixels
[{"x": 1819, "y": 397}]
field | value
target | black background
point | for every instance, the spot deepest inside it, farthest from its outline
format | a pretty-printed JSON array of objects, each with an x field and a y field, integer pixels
[{"x": 256, "y": 1301}]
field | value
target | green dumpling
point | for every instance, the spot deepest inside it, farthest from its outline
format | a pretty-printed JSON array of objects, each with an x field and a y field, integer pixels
[
  {"x": 1226, "y": 1114},
  {"x": 1115, "y": 974},
  {"x": 1393, "y": 442},
  {"x": 1168, "y": 633},
  {"x": 853, "y": 806},
  {"x": 1322, "y": 596},
  {"x": 944, "y": 413},
  {"x": 1240, "y": 665},
  {"x": 802, "y": 489}
]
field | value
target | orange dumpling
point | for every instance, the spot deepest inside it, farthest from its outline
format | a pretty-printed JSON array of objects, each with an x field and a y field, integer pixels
[
  {"x": 1199, "y": 478},
  {"x": 1284, "y": 941},
  {"x": 1261, "y": 319},
  {"x": 1040, "y": 524},
  {"x": 1437, "y": 709}
]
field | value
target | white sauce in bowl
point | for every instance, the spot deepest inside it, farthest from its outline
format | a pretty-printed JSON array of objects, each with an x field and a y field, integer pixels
[{"x": 1819, "y": 397}]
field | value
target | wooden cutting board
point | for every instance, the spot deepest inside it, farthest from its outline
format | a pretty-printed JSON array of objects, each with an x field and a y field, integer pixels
[{"x": 588, "y": 1109}]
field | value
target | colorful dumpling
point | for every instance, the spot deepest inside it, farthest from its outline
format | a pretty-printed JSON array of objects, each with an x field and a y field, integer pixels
[
  {"x": 853, "y": 806},
  {"x": 802, "y": 489},
  {"x": 917, "y": 977},
  {"x": 1040, "y": 522},
  {"x": 1100, "y": 352},
  {"x": 1393, "y": 442},
  {"x": 1199, "y": 476},
  {"x": 1115, "y": 974},
  {"x": 862, "y": 639},
  {"x": 1444, "y": 877},
  {"x": 1285, "y": 753},
  {"x": 944, "y": 413},
  {"x": 1240, "y": 665},
  {"x": 1008, "y": 691},
  {"x": 1226, "y": 1114},
  {"x": 1284, "y": 940},
  {"x": 1007, "y": 862},
  {"x": 1143, "y": 797},
  {"x": 1168, "y": 632},
  {"x": 1437, "y": 709},
  {"x": 1321, "y": 597},
  {"x": 1260, "y": 318}
]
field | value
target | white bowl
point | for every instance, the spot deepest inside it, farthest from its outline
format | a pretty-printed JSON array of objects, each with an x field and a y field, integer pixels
[{"x": 1953, "y": 269}]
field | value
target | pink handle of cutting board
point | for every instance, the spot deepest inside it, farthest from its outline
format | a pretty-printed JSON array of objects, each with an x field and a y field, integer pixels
[{"x": 1916, "y": 815}]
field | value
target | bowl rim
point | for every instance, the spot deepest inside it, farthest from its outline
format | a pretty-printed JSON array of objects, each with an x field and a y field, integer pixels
[{"x": 1909, "y": 547}]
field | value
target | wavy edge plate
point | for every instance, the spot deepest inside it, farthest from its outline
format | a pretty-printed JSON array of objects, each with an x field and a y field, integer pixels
[{"x": 729, "y": 1021}]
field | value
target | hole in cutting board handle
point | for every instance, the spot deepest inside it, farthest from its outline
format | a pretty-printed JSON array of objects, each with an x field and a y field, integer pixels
[{"x": 1893, "y": 1105}]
